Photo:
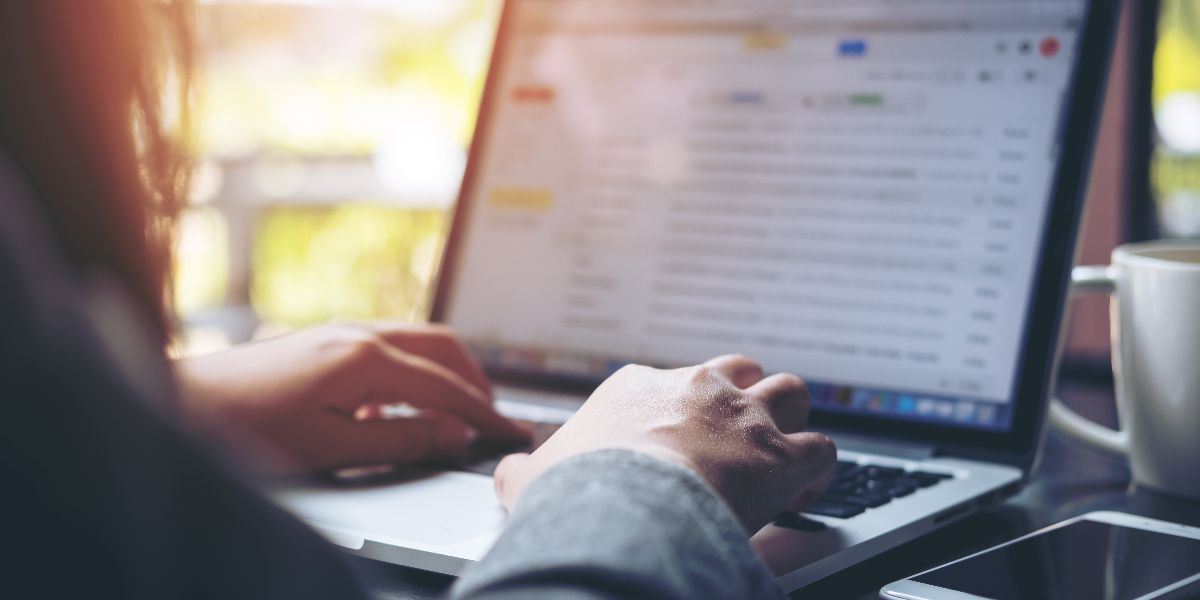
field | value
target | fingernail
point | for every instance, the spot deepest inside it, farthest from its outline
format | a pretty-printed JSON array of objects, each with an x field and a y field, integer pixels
[{"x": 367, "y": 412}]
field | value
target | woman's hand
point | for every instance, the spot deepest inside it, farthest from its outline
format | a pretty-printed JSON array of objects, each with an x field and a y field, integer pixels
[
  {"x": 741, "y": 432},
  {"x": 314, "y": 397}
]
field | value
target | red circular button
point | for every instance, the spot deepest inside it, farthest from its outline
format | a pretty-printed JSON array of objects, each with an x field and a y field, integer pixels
[{"x": 1049, "y": 47}]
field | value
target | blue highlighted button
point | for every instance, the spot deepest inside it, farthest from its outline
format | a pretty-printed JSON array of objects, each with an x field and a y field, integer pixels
[{"x": 852, "y": 48}]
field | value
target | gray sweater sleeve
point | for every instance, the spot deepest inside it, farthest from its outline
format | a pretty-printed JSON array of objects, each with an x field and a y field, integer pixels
[{"x": 619, "y": 524}]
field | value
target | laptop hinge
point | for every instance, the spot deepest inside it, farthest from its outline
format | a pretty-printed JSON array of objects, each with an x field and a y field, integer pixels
[{"x": 883, "y": 446}]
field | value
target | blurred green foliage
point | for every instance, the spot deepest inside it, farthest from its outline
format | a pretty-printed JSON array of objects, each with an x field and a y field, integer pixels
[
  {"x": 1176, "y": 69},
  {"x": 349, "y": 261},
  {"x": 328, "y": 79},
  {"x": 1177, "y": 57}
]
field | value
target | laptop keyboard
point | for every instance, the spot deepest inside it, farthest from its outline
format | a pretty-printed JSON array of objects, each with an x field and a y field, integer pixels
[{"x": 857, "y": 488}]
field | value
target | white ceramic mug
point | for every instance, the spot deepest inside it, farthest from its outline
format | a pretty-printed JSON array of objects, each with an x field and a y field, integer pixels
[{"x": 1156, "y": 362}]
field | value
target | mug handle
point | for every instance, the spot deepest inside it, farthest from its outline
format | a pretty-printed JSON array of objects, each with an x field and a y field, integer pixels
[{"x": 1089, "y": 280}]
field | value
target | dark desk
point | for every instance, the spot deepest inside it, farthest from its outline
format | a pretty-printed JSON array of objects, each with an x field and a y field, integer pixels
[{"x": 1070, "y": 480}]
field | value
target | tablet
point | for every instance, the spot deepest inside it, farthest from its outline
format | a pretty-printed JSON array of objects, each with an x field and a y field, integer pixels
[{"x": 1101, "y": 555}]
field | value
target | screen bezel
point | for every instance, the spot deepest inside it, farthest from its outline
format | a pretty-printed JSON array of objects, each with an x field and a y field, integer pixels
[
  {"x": 1040, "y": 340},
  {"x": 910, "y": 589}
]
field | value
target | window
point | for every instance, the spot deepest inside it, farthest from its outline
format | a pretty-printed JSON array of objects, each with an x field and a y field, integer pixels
[
  {"x": 333, "y": 135},
  {"x": 1175, "y": 166}
]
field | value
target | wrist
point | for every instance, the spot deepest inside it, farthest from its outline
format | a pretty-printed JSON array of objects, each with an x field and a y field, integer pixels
[
  {"x": 642, "y": 471},
  {"x": 197, "y": 400}
]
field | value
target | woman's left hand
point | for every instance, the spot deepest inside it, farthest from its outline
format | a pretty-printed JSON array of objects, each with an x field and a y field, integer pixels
[{"x": 315, "y": 397}]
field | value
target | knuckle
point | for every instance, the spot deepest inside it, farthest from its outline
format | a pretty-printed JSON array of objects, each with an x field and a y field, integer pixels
[
  {"x": 830, "y": 447},
  {"x": 821, "y": 448},
  {"x": 792, "y": 383},
  {"x": 738, "y": 357},
  {"x": 441, "y": 329},
  {"x": 737, "y": 368},
  {"x": 358, "y": 343},
  {"x": 629, "y": 371},
  {"x": 701, "y": 375}
]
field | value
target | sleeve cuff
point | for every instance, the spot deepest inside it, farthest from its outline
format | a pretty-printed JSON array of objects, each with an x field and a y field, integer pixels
[{"x": 618, "y": 523}]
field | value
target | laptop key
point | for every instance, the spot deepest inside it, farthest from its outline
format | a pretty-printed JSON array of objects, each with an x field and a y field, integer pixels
[
  {"x": 866, "y": 500},
  {"x": 877, "y": 485},
  {"x": 931, "y": 475},
  {"x": 842, "y": 486},
  {"x": 877, "y": 472},
  {"x": 857, "y": 487},
  {"x": 850, "y": 474},
  {"x": 844, "y": 465},
  {"x": 799, "y": 522},
  {"x": 827, "y": 508}
]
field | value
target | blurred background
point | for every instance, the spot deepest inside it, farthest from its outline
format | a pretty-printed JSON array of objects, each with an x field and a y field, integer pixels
[
  {"x": 1175, "y": 99},
  {"x": 333, "y": 135}
]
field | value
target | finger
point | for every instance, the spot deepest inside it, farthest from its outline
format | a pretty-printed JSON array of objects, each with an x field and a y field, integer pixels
[
  {"x": 802, "y": 500},
  {"x": 438, "y": 344},
  {"x": 367, "y": 412},
  {"x": 786, "y": 399},
  {"x": 741, "y": 370},
  {"x": 811, "y": 493},
  {"x": 814, "y": 456},
  {"x": 509, "y": 479},
  {"x": 426, "y": 384},
  {"x": 408, "y": 440}
]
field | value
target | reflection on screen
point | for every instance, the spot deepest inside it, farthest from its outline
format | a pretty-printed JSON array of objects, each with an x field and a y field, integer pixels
[
  {"x": 1086, "y": 560},
  {"x": 851, "y": 191}
]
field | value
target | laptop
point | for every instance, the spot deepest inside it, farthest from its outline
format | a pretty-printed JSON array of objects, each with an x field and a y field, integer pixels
[{"x": 880, "y": 196}]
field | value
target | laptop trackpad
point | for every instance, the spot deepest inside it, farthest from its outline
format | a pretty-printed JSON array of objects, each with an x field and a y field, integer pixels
[{"x": 435, "y": 509}]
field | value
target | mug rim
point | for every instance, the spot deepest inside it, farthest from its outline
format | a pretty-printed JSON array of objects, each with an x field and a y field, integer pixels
[{"x": 1134, "y": 253}]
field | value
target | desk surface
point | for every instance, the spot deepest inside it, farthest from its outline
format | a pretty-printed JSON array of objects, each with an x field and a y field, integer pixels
[{"x": 1069, "y": 481}]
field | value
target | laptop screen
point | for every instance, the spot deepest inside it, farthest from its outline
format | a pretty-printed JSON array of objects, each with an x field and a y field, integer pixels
[{"x": 850, "y": 190}]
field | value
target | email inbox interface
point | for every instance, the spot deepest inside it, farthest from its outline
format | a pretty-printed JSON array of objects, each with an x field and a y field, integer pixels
[{"x": 853, "y": 198}]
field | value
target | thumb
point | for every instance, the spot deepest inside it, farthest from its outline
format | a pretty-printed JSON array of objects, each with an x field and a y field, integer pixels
[{"x": 509, "y": 479}]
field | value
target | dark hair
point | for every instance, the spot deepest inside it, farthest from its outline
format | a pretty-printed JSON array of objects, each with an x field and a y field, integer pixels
[{"x": 82, "y": 88}]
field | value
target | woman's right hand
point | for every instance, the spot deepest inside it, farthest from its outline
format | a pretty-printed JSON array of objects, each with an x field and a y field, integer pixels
[{"x": 743, "y": 433}]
